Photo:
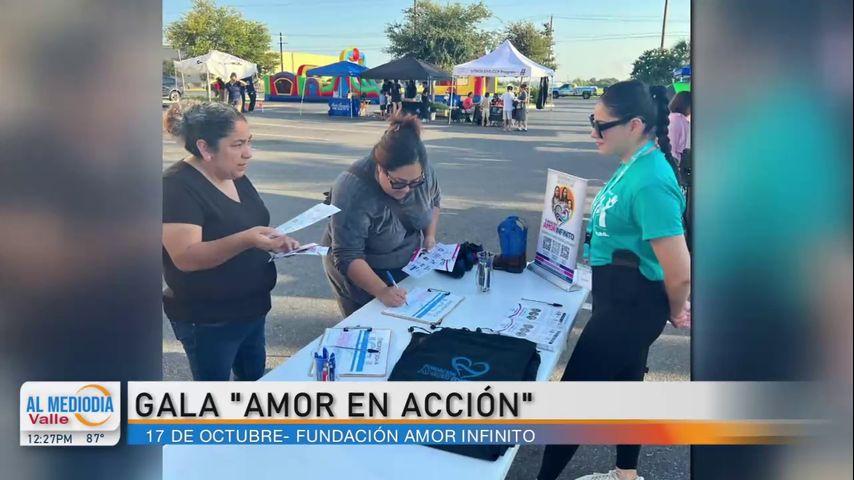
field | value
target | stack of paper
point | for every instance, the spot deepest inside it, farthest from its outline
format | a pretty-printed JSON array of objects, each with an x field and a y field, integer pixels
[
  {"x": 441, "y": 257},
  {"x": 540, "y": 323}
]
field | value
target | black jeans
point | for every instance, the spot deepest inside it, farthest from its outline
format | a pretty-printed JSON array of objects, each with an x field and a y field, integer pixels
[
  {"x": 629, "y": 313},
  {"x": 215, "y": 350},
  {"x": 252, "y": 97}
]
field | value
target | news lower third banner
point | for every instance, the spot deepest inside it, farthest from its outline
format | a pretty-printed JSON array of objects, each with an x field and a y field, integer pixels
[{"x": 446, "y": 413}]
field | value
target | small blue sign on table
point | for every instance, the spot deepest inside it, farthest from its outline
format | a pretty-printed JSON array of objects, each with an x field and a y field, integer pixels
[{"x": 344, "y": 107}]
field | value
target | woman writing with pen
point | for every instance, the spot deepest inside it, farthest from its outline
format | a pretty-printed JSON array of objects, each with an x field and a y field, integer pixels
[{"x": 389, "y": 205}]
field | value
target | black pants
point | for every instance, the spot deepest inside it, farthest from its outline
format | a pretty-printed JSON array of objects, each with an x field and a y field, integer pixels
[
  {"x": 629, "y": 313},
  {"x": 252, "y": 97}
]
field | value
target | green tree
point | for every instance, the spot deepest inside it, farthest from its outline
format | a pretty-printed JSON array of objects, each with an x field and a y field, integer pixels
[
  {"x": 655, "y": 67},
  {"x": 597, "y": 82},
  {"x": 209, "y": 27},
  {"x": 444, "y": 35},
  {"x": 168, "y": 68},
  {"x": 536, "y": 44}
]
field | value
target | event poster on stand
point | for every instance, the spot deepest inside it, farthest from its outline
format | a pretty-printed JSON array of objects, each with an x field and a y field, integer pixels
[{"x": 560, "y": 228}]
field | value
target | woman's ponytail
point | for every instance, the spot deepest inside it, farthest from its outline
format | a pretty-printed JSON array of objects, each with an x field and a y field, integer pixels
[{"x": 662, "y": 122}]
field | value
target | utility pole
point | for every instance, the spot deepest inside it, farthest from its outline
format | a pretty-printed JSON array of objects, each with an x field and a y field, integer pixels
[
  {"x": 663, "y": 24},
  {"x": 281, "y": 53},
  {"x": 415, "y": 14},
  {"x": 551, "y": 37}
]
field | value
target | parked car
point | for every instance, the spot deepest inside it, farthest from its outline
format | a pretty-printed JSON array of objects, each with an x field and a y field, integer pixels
[
  {"x": 569, "y": 90},
  {"x": 171, "y": 90}
]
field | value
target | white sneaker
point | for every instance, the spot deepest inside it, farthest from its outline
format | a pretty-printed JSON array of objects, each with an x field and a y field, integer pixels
[{"x": 612, "y": 475}]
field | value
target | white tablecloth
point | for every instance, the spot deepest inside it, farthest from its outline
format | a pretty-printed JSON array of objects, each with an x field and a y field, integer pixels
[{"x": 369, "y": 462}]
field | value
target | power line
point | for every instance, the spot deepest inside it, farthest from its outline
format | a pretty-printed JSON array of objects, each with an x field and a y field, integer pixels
[
  {"x": 621, "y": 19},
  {"x": 619, "y": 37}
]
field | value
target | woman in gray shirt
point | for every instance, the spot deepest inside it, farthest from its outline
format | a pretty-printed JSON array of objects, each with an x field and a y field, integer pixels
[{"x": 389, "y": 205}]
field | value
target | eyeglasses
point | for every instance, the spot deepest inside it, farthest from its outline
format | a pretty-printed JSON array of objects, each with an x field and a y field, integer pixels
[
  {"x": 600, "y": 127},
  {"x": 399, "y": 184}
]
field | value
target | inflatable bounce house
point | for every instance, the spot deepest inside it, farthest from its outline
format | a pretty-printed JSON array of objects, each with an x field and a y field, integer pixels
[
  {"x": 478, "y": 86},
  {"x": 290, "y": 86}
]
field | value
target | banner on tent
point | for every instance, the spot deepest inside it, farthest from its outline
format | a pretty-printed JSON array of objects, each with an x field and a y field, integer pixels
[{"x": 560, "y": 228}]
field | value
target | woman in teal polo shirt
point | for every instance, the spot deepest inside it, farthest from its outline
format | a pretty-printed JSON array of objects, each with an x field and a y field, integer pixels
[{"x": 637, "y": 250}]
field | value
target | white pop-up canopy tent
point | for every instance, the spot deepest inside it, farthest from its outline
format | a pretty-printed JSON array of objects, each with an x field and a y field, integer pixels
[
  {"x": 504, "y": 61},
  {"x": 218, "y": 64}
]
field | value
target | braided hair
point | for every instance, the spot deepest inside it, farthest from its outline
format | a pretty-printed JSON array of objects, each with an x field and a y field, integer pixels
[{"x": 632, "y": 98}]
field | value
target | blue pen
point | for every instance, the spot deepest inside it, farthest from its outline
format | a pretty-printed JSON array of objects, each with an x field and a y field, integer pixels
[
  {"x": 318, "y": 367},
  {"x": 394, "y": 284},
  {"x": 325, "y": 363}
]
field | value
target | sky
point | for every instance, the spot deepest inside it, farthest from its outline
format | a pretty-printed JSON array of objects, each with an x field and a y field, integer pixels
[{"x": 598, "y": 38}]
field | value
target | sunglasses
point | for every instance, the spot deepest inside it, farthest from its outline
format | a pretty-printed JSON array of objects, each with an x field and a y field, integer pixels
[
  {"x": 398, "y": 184},
  {"x": 600, "y": 127}
]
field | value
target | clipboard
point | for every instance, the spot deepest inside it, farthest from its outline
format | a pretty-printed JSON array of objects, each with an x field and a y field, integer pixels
[
  {"x": 351, "y": 346},
  {"x": 426, "y": 305}
]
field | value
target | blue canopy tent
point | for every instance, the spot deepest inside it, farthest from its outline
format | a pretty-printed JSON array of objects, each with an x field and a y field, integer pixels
[
  {"x": 338, "y": 69},
  {"x": 682, "y": 71}
]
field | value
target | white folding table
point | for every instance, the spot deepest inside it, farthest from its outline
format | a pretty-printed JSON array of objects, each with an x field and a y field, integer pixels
[{"x": 380, "y": 462}]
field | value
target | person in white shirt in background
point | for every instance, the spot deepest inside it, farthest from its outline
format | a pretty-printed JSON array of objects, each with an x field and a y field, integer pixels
[{"x": 508, "y": 99}]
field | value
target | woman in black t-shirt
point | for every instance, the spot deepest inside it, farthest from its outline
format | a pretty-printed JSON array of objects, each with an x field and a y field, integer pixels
[{"x": 215, "y": 243}]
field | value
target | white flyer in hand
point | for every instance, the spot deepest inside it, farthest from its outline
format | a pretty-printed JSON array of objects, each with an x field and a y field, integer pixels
[
  {"x": 308, "y": 217},
  {"x": 310, "y": 249}
]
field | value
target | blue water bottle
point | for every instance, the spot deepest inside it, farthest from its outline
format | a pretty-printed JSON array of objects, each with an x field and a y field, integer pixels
[{"x": 513, "y": 238}]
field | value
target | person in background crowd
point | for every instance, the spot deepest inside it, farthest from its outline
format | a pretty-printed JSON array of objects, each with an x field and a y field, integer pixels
[
  {"x": 218, "y": 89},
  {"x": 396, "y": 101},
  {"x": 216, "y": 241},
  {"x": 234, "y": 88},
  {"x": 680, "y": 124},
  {"x": 485, "y": 106},
  {"x": 250, "y": 91},
  {"x": 522, "y": 109},
  {"x": 411, "y": 90},
  {"x": 468, "y": 106},
  {"x": 389, "y": 205},
  {"x": 508, "y": 98},
  {"x": 637, "y": 250},
  {"x": 426, "y": 101},
  {"x": 385, "y": 90}
]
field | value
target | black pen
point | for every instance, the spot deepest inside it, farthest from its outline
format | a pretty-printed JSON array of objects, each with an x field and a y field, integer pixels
[
  {"x": 540, "y": 301},
  {"x": 369, "y": 350},
  {"x": 437, "y": 290}
]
